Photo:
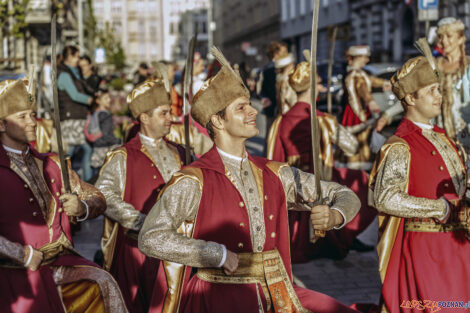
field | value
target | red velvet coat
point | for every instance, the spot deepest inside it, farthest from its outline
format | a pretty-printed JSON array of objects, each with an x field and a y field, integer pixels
[
  {"x": 219, "y": 219},
  {"x": 426, "y": 265},
  {"x": 22, "y": 221},
  {"x": 293, "y": 140},
  {"x": 135, "y": 272}
]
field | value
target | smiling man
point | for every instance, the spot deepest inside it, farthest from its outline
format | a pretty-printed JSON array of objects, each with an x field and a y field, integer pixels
[
  {"x": 40, "y": 269},
  {"x": 131, "y": 179},
  {"x": 225, "y": 217},
  {"x": 419, "y": 184}
]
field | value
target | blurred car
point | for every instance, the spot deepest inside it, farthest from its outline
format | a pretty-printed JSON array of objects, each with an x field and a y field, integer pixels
[{"x": 336, "y": 88}]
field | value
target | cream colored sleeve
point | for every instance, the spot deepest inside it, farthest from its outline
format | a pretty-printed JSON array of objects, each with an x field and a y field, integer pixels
[
  {"x": 11, "y": 250},
  {"x": 111, "y": 182},
  {"x": 300, "y": 187},
  {"x": 390, "y": 192},
  {"x": 159, "y": 237}
]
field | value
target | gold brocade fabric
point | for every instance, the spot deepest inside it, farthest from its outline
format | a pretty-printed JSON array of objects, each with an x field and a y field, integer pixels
[
  {"x": 271, "y": 138},
  {"x": 198, "y": 142},
  {"x": 268, "y": 270},
  {"x": 451, "y": 118},
  {"x": 82, "y": 297},
  {"x": 44, "y": 135},
  {"x": 389, "y": 181},
  {"x": 362, "y": 160}
]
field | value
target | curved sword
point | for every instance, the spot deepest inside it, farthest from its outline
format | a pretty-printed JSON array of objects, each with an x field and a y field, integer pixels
[
  {"x": 187, "y": 95},
  {"x": 315, "y": 135}
]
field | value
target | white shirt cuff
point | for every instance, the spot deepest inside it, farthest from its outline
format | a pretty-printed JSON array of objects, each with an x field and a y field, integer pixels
[
  {"x": 30, "y": 257},
  {"x": 87, "y": 212},
  {"x": 344, "y": 218},
  {"x": 447, "y": 211},
  {"x": 224, "y": 256}
]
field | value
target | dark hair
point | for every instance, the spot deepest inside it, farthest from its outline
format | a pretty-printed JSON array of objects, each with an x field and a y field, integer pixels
[
  {"x": 87, "y": 58},
  {"x": 273, "y": 48},
  {"x": 100, "y": 92},
  {"x": 143, "y": 65},
  {"x": 148, "y": 112},
  {"x": 68, "y": 51},
  {"x": 210, "y": 127}
]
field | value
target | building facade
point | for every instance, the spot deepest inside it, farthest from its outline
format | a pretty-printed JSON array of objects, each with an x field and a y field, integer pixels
[
  {"x": 148, "y": 29},
  {"x": 186, "y": 29},
  {"x": 296, "y": 26},
  {"x": 244, "y": 28}
]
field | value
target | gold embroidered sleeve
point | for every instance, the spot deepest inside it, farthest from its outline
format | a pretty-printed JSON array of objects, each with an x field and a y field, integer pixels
[
  {"x": 391, "y": 185},
  {"x": 88, "y": 193},
  {"x": 111, "y": 182},
  {"x": 300, "y": 187},
  {"x": 346, "y": 141},
  {"x": 11, "y": 250},
  {"x": 354, "y": 99},
  {"x": 363, "y": 90},
  {"x": 159, "y": 237},
  {"x": 376, "y": 82}
]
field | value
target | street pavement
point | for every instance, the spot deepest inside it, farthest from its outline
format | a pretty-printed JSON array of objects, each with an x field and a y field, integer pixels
[{"x": 354, "y": 279}]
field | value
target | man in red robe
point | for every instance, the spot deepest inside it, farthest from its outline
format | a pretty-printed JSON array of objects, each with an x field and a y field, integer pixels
[
  {"x": 419, "y": 184},
  {"x": 131, "y": 179},
  {"x": 39, "y": 268},
  {"x": 291, "y": 142},
  {"x": 225, "y": 218},
  {"x": 360, "y": 106}
]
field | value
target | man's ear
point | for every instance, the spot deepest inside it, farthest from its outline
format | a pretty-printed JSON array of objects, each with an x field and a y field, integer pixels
[
  {"x": 144, "y": 118},
  {"x": 410, "y": 100},
  {"x": 3, "y": 126},
  {"x": 217, "y": 122}
]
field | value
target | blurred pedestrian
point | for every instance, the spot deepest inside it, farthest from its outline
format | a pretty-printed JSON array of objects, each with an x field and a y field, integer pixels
[
  {"x": 131, "y": 179},
  {"x": 74, "y": 106},
  {"x": 101, "y": 129},
  {"x": 285, "y": 95},
  {"x": 268, "y": 82},
  {"x": 361, "y": 107},
  {"x": 89, "y": 74},
  {"x": 142, "y": 74}
]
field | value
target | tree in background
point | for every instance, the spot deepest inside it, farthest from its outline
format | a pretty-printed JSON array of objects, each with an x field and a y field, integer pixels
[{"x": 114, "y": 52}]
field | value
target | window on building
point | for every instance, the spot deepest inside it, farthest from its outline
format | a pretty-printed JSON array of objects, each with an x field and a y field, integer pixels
[
  {"x": 152, "y": 6},
  {"x": 153, "y": 49},
  {"x": 141, "y": 28},
  {"x": 142, "y": 49},
  {"x": 153, "y": 28},
  {"x": 292, "y": 9},
  {"x": 141, "y": 6},
  {"x": 116, "y": 7},
  {"x": 98, "y": 7},
  {"x": 204, "y": 27},
  {"x": 172, "y": 28},
  {"x": 284, "y": 16},
  {"x": 302, "y": 7},
  {"x": 117, "y": 26}
]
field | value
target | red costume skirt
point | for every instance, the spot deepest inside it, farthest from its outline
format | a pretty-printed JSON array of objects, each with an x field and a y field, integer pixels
[
  {"x": 135, "y": 274},
  {"x": 206, "y": 297},
  {"x": 350, "y": 118},
  {"x": 434, "y": 266},
  {"x": 337, "y": 242}
]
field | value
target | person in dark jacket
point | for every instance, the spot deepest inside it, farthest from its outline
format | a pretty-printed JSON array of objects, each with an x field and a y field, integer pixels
[
  {"x": 74, "y": 105},
  {"x": 103, "y": 118},
  {"x": 88, "y": 71},
  {"x": 268, "y": 84}
]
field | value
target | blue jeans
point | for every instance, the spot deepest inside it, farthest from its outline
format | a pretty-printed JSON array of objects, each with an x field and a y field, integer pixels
[{"x": 86, "y": 159}]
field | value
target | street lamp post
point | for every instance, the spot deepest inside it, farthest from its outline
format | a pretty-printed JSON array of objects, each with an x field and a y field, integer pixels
[{"x": 80, "y": 25}]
